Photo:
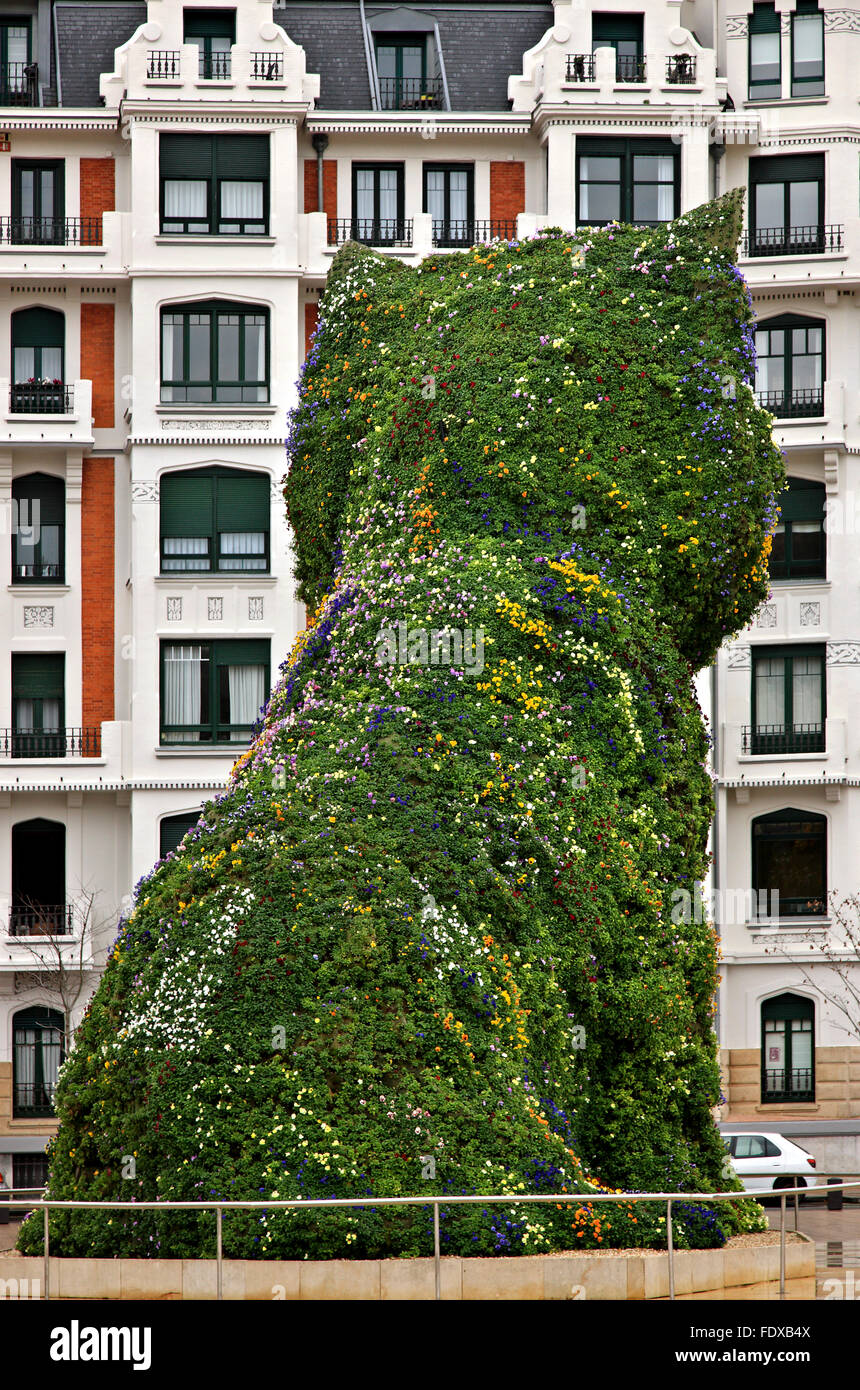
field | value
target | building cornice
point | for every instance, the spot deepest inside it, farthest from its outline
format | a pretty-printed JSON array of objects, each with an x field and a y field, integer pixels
[
  {"x": 197, "y": 113},
  {"x": 59, "y": 118},
  {"x": 135, "y": 785},
  {"x": 413, "y": 123}
]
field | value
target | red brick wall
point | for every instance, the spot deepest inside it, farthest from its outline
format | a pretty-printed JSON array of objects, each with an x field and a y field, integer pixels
[
  {"x": 507, "y": 188},
  {"x": 329, "y": 186},
  {"x": 312, "y": 314},
  {"x": 97, "y": 190},
  {"x": 97, "y": 590},
  {"x": 97, "y": 357}
]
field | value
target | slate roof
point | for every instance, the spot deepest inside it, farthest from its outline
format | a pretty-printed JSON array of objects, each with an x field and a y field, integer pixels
[
  {"x": 87, "y": 35},
  {"x": 482, "y": 46}
]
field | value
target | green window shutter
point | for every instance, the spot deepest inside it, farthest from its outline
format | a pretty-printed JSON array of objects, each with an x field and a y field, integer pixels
[
  {"x": 607, "y": 28},
  {"x": 210, "y": 24},
  {"x": 787, "y": 168},
  {"x": 186, "y": 156},
  {"x": 173, "y": 829},
  {"x": 186, "y": 505},
  {"x": 764, "y": 20},
  {"x": 49, "y": 492},
  {"x": 803, "y": 502},
  {"x": 242, "y": 502},
  {"x": 241, "y": 156},
  {"x": 38, "y": 328},
  {"x": 247, "y": 652},
  {"x": 38, "y": 677}
]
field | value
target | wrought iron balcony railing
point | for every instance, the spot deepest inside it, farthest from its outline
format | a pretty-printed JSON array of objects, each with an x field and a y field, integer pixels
[
  {"x": 793, "y": 405},
  {"x": 163, "y": 65},
  {"x": 580, "y": 67},
  {"x": 628, "y": 69},
  {"x": 33, "y": 1099},
  {"x": 51, "y": 231},
  {"x": 214, "y": 66},
  {"x": 681, "y": 69},
  {"x": 776, "y": 738},
  {"x": 794, "y": 1084},
  {"x": 468, "y": 232},
  {"x": 793, "y": 241},
  {"x": 42, "y": 920},
  {"x": 384, "y": 231},
  {"x": 50, "y": 743},
  {"x": 410, "y": 93},
  {"x": 267, "y": 67},
  {"x": 41, "y": 398},
  {"x": 19, "y": 84}
]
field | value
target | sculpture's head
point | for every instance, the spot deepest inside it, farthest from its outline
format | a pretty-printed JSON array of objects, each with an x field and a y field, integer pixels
[{"x": 586, "y": 395}]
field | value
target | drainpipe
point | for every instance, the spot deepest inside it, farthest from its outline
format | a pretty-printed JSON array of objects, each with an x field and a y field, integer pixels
[
  {"x": 319, "y": 140},
  {"x": 369, "y": 56}
]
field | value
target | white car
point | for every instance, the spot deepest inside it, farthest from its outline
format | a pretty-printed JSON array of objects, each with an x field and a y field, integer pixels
[{"x": 765, "y": 1162}]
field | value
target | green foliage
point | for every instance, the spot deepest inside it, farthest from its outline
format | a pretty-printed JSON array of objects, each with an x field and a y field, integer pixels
[{"x": 432, "y": 916}]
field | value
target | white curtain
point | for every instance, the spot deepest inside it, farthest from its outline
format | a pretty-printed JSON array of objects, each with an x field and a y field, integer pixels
[
  {"x": 770, "y": 368},
  {"x": 25, "y": 364},
  {"x": 51, "y": 1049},
  {"x": 388, "y": 195},
  {"x": 801, "y": 1050},
  {"x": 770, "y": 694},
  {"x": 182, "y": 689},
  {"x": 51, "y": 716},
  {"x": 774, "y": 1042},
  {"x": 23, "y": 715},
  {"x": 808, "y": 38},
  {"x": 807, "y": 690},
  {"x": 52, "y": 363},
  {"x": 184, "y": 198},
  {"x": 246, "y": 685},
  {"x": 243, "y": 550},
  {"x": 193, "y": 552},
  {"x": 241, "y": 201},
  {"x": 25, "y": 1064},
  {"x": 255, "y": 352},
  {"x": 364, "y": 200},
  {"x": 665, "y": 188}
]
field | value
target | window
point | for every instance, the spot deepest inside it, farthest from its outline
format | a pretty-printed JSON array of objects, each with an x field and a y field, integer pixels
[
  {"x": 37, "y": 1054},
  {"x": 38, "y": 353},
  {"x": 39, "y": 905},
  {"x": 214, "y": 352},
  {"x": 787, "y": 205},
  {"x": 38, "y": 532},
  {"x": 402, "y": 70},
  {"x": 38, "y": 712},
  {"x": 765, "y": 75},
  {"x": 787, "y": 1049},
  {"x": 753, "y": 1146},
  {"x": 30, "y": 1171},
  {"x": 212, "y": 692},
  {"x": 626, "y": 181},
  {"x": 798, "y": 550},
  {"x": 214, "y": 519},
  {"x": 215, "y": 184},
  {"x": 377, "y": 203},
  {"x": 38, "y": 202},
  {"x": 17, "y": 76},
  {"x": 789, "y": 373},
  {"x": 623, "y": 32},
  {"x": 789, "y": 851},
  {"x": 214, "y": 32},
  {"x": 173, "y": 830},
  {"x": 788, "y": 699},
  {"x": 449, "y": 198},
  {"x": 807, "y": 50}
]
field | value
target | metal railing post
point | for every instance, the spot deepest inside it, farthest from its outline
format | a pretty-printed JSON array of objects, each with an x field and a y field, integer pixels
[
  {"x": 436, "y": 1253},
  {"x": 671, "y": 1250},
  {"x": 782, "y": 1244},
  {"x": 219, "y": 1254},
  {"x": 46, "y": 1243}
]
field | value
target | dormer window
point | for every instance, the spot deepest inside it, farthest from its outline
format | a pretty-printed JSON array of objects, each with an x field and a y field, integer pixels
[
  {"x": 214, "y": 32},
  {"x": 406, "y": 80}
]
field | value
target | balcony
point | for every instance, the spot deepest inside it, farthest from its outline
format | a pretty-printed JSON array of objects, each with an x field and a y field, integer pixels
[
  {"x": 50, "y": 743},
  {"x": 410, "y": 93},
  {"x": 267, "y": 67},
  {"x": 579, "y": 67},
  {"x": 782, "y": 1085},
  {"x": 19, "y": 84},
  {"x": 681, "y": 70},
  {"x": 793, "y": 405},
  {"x": 767, "y": 740},
  {"x": 386, "y": 231},
  {"x": 468, "y": 233},
  {"x": 34, "y": 1101},
  {"x": 214, "y": 67},
  {"x": 630, "y": 69},
  {"x": 793, "y": 241},
  {"x": 41, "y": 398},
  {"x": 51, "y": 231},
  {"x": 42, "y": 920}
]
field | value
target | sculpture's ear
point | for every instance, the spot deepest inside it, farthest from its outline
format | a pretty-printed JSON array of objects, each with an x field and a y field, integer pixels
[{"x": 718, "y": 223}]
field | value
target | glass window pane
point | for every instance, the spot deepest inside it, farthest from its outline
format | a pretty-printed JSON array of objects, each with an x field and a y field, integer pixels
[
  {"x": 606, "y": 168},
  {"x": 770, "y": 205},
  {"x": 653, "y": 168},
  {"x": 599, "y": 202},
  {"x": 185, "y": 198},
  {"x": 255, "y": 348},
  {"x": 808, "y": 33},
  {"x": 386, "y": 60},
  {"x": 412, "y": 60},
  {"x": 242, "y": 550},
  {"x": 770, "y": 694},
  {"x": 52, "y": 363},
  {"x": 241, "y": 200},
  {"x": 25, "y": 364},
  {"x": 228, "y": 347},
  {"x": 47, "y": 192},
  {"x": 803, "y": 204},
  {"x": 806, "y": 689},
  {"x": 764, "y": 57},
  {"x": 28, "y": 206},
  {"x": 199, "y": 367}
]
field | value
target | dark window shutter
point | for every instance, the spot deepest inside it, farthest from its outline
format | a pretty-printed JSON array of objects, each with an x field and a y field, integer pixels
[
  {"x": 186, "y": 505},
  {"x": 38, "y": 677},
  {"x": 173, "y": 829},
  {"x": 803, "y": 502},
  {"x": 248, "y": 652},
  {"x": 242, "y": 156},
  {"x": 186, "y": 156},
  {"x": 243, "y": 503},
  {"x": 38, "y": 328},
  {"x": 210, "y": 24},
  {"x": 787, "y": 168},
  {"x": 49, "y": 492},
  {"x": 764, "y": 20}
]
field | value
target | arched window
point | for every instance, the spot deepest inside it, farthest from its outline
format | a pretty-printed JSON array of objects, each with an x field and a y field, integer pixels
[
  {"x": 789, "y": 859},
  {"x": 214, "y": 351},
  {"x": 789, "y": 373},
  {"x": 39, "y": 905},
  {"x": 38, "y": 362},
  {"x": 38, "y": 1051},
  {"x": 798, "y": 550},
  {"x": 38, "y": 532},
  {"x": 214, "y": 519},
  {"x": 787, "y": 1049},
  {"x": 173, "y": 830}
]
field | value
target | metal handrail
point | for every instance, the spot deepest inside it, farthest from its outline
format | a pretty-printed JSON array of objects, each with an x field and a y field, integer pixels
[{"x": 49, "y": 1204}]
